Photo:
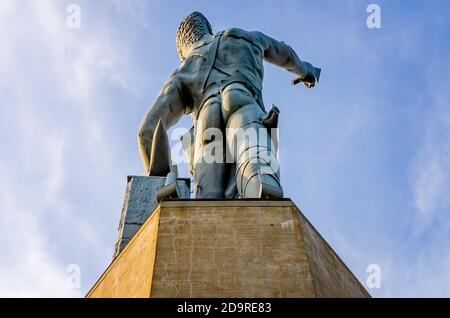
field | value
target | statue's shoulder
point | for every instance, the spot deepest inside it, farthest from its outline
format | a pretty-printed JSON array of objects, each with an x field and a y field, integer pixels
[
  {"x": 190, "y": 66},
  {"x": 242, "y": 34},
  {"x": 179, "y": 74},
  {"x": 236, "y": 32}
]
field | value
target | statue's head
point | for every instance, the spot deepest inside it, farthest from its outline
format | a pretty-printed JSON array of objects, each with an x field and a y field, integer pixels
[{"x": 191, "y": 29}]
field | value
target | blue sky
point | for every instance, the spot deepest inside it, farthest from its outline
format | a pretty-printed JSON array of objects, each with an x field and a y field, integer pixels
[{"x": 365, "y": 154}]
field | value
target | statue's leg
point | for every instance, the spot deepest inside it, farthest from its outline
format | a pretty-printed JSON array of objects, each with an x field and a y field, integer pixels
[
  {"x": 210, "y": 170},
  {"x": 257, "y": 168},
  {"x": 251, "y": 147}
]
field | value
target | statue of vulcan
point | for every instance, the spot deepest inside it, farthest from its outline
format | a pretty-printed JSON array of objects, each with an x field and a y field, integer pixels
[{"x": 219, "y": 82}]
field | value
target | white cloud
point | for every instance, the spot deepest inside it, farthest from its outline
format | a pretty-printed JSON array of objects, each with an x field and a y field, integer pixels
[
  {"x": 432, "y": 182},
  {"x": 425, "y": 273},
  {"x": 135, "y": 8},
  {"x": 52, "y": 127},
  {"x": 430, "y": 169},
  {"x": 26, "y": 267}
]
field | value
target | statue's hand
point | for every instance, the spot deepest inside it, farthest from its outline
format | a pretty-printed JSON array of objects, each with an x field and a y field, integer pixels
[{"x": 311, "y": 77}]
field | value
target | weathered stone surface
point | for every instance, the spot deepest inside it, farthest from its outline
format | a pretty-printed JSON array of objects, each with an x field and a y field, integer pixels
[
  {"x": 218, "y": 251},
  {"x": 130, "y": 274},
  {"x": 330, "y": 276},
  {"x": 228, "y": 248},
  {"x": 139, "y": 202}
]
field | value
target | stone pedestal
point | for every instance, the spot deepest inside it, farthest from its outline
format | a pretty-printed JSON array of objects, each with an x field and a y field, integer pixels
[
  {"x": 139, "y": 202},
  {"x": 229, "y": 248}
]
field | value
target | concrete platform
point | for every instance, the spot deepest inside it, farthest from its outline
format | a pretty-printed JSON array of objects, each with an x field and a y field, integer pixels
[{"x": 227, "y": 248}]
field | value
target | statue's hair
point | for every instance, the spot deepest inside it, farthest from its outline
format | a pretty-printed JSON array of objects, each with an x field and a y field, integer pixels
[{"x": 191, "y": 29}]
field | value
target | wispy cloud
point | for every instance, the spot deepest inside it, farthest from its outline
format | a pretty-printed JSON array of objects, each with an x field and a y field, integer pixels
[
  {"x": 430, "y": 169},
  {"x": 136, "y": 9},
  {"x": 52, "y": 127},
  {"x": 27, "y": 269},
  {"x": 432, "y": 181}
]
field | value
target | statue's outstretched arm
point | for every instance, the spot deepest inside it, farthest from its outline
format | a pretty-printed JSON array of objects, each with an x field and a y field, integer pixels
[
  {"x": 281, "y": 54},
  {"x": 169, "y": 107}
]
